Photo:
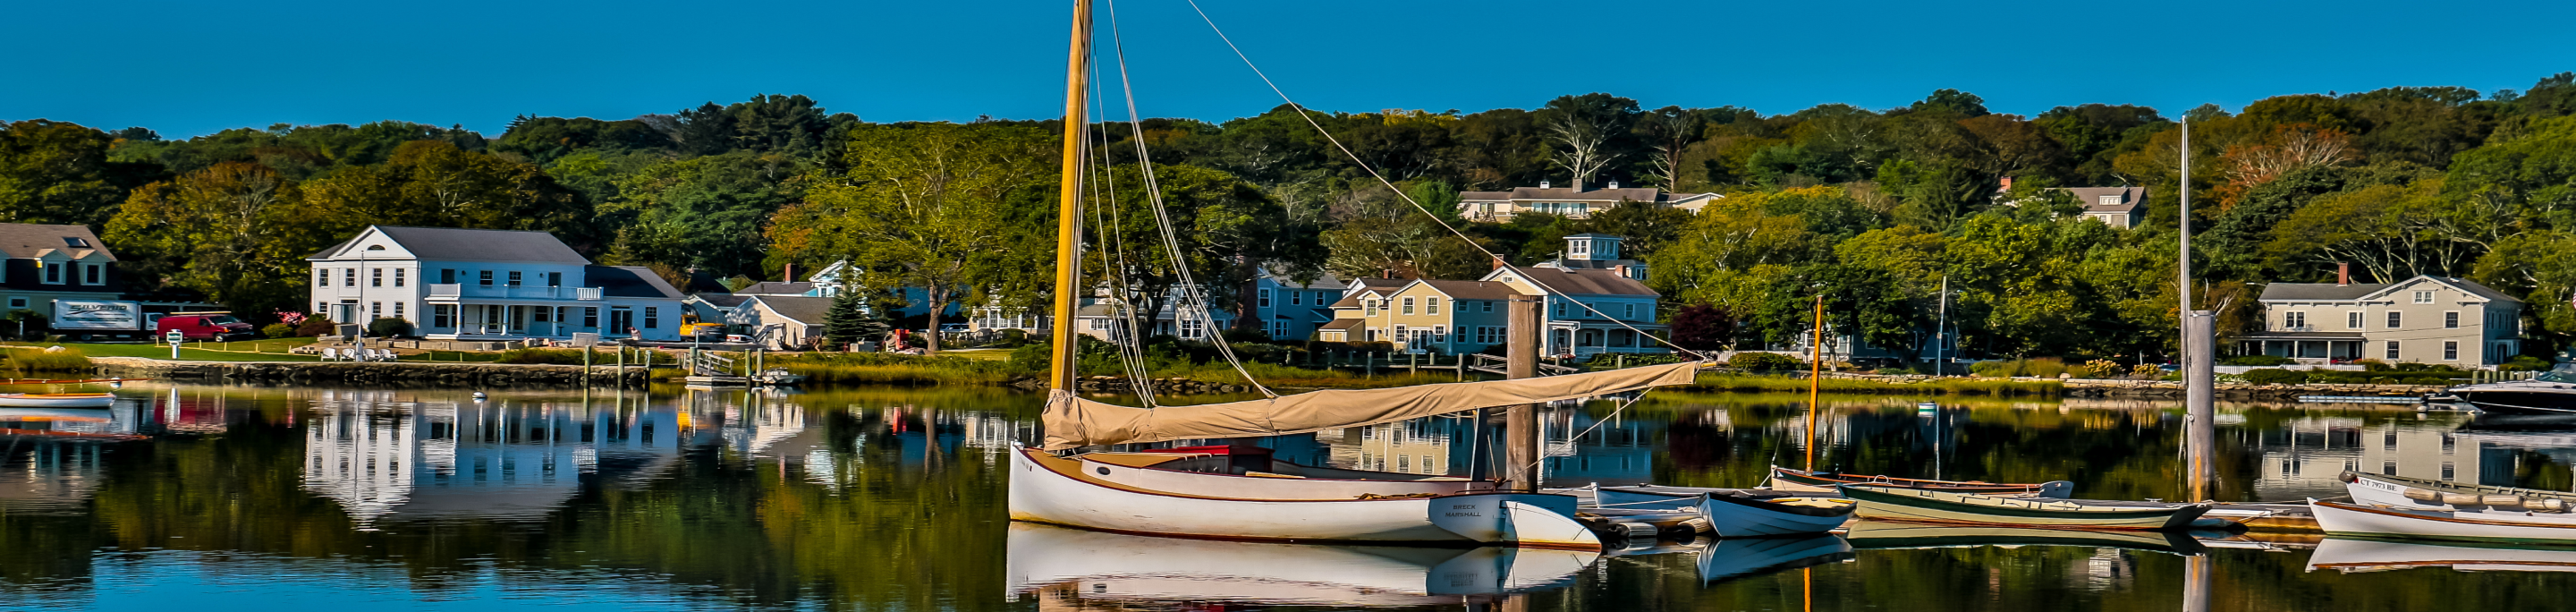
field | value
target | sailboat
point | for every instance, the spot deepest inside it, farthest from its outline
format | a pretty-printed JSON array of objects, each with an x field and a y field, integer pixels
[{"x": 1210, "y": 492}]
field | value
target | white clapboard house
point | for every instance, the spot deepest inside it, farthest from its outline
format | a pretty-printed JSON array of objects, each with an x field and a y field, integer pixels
[{"x": 496, "y": 285}]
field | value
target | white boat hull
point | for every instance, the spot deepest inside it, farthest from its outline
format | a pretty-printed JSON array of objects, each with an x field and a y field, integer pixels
[
  {"x": 1119, "y": 567},
  {"x": 2349, "y": 519},
  {"x": 1731, "y": 520},
  {"x": 57, "y": 400},
  {"x": 1049, "y": 494}
]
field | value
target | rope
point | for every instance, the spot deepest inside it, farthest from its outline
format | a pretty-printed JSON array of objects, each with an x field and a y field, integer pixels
[
  {"x": 1190, "y": 291},
  {"x": 1131, "y": 353},
  {"x": 1399, "y": 193},
  {"x": 1623, "y": 407}
]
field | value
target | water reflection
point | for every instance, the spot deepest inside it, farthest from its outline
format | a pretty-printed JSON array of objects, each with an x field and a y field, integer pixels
[
  {"x": 882, "y": 499},
  {"x": 2350, "y": 555}
]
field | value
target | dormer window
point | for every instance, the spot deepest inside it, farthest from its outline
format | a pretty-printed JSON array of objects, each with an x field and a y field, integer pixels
[
  {"x": 76, "y": 242},
  {"x": 2111, "y": 200}
]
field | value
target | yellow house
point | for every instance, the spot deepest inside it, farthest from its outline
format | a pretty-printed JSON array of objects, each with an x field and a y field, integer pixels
[{"x": 1437, "y": 316}]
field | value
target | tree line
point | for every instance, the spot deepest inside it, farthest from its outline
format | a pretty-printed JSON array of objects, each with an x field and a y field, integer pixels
[{"x": 1874, "y": 209}]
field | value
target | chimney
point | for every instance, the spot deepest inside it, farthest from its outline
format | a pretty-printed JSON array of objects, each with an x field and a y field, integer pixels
[
  {"x": 1543, "y": 184},
  {"x": 790, "y": 274},
  {"x": 2007, "y": 184},
  {"x": 1498, "y": 262},
  {"x": 2343, "y": 274}
]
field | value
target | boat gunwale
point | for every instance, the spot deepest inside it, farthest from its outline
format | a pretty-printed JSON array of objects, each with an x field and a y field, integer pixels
[
  {"x": 1809, "y": 478},
  {"x": 2412, "y": 514},
  {"x": 1041, "y": 459},
  {"x": 1288, "y": 476},
  {"x": 2081, "y": 511}
]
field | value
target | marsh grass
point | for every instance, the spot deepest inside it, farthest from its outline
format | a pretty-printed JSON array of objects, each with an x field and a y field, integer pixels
[{"x": 37, "y": 360}]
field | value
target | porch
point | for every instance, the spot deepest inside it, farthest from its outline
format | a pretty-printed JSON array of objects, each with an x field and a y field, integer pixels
[
  {"x": 2306, "y": 347},
  {"x": 1585, "y": 339},
  {"x": 505, "y": 321}
]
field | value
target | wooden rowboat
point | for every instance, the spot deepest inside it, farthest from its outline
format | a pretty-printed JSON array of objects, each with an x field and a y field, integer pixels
[
  {"x": 1786, "y": 479},
  {"x": 57, "y": 400},
  {"x": 1070, "y": 492},
  {"x": 1918, "y": 505},
  {"x": 2429, "y": 494},
  {"x": 2343, "y": 519},
  {"x": 1733, "y": 516}
]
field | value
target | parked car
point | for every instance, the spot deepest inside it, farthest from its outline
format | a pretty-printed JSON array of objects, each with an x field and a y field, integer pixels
[
  {"x": 953, "y": 328},
  {"x": 205, "y": 326}
]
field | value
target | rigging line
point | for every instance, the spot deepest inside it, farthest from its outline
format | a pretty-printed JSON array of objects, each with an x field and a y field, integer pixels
[
  {"x": 1399, "y": 193},
  {"x": 1578, "y": 436},
  {"x": 1131, "y": 353},
  {"x": 1190, "y": 290}
]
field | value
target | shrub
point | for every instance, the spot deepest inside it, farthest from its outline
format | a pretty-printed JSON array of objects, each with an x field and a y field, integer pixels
[
  {"x": 2255, "y": 360},
  {"x": 2526, "y": 363},
  {"x": 2098, "y": 368},
  {"x": 2275, "y": 376},
  {"x": 314, "y": 326},
  {"x": 2044, "y": 367},
  {"x": 1756, "y": 361},
  {"x": 2146, "y": 370},
  {"x": 389, "y": 328},
  {"x": 277, "y": 330}
]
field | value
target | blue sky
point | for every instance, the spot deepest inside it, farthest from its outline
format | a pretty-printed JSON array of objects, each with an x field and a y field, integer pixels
[{"x": 190, "y": 68}]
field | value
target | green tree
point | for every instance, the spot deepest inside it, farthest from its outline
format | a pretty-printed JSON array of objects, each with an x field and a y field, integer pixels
[
  {"x": 60, "y": 173},
  {"x": 433, "y": 183},
  {"x": 235, "y": 231},
  {"x": 848, "y": 321}
]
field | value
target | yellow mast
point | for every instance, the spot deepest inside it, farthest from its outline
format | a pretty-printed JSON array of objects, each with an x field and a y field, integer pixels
[
  {"x": 1815, "y": 380},
  {"x": 1068, "y": 227}
]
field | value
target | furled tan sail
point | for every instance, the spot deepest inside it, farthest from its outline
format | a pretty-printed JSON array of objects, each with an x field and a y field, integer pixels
[{"x": 1073, "y": 422}]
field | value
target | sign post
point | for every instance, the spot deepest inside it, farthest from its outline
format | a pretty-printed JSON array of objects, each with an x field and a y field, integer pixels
[{"x": 174, "y": 337}]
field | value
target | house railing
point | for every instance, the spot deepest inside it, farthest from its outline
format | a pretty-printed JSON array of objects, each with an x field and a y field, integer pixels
[{"x": 521, "y": 292}]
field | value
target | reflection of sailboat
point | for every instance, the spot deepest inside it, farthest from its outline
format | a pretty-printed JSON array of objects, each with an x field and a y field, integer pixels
[
  {"x": 1128, "y": 568},
  {"x": 2369, "y": 555},
  {"x": 1733, "y": 559},
  {"x": 1883, "y": 534}
]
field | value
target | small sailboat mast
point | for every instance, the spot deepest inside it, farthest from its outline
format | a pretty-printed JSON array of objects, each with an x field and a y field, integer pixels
[{"x": 1068, "y": 228}]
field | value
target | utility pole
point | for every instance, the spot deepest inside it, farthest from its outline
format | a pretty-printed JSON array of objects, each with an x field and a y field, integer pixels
[{"x": 1520, "y": 421}]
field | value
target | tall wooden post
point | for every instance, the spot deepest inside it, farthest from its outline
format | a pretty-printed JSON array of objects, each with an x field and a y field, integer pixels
[
  {"x": 1815, "y": 380},
  {"x": 1520, "y": 422},
  {"x": 2199, "y": 344}
]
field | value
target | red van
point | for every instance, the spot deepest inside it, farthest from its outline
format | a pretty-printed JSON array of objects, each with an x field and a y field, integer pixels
[{"x": 218, "y": 326}]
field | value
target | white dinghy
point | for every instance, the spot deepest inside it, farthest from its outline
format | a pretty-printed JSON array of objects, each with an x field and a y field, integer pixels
[
  {"x": 1744, "y": 516},
  {"x": 2493, "y": 525},
  {"x": 2429, "y": 494}
]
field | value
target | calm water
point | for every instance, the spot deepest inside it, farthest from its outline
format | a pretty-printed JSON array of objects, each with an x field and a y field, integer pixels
[{"x": 224, "y": 498}]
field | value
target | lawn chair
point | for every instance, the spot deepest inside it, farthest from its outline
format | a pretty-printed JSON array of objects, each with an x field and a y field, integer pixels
[
  {"x": 330, "y": 354},
  {"x": 386, "y": 355}
]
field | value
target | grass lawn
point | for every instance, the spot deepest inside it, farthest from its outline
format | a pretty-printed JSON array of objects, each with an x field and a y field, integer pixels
[{"x": 275, "y": 350}]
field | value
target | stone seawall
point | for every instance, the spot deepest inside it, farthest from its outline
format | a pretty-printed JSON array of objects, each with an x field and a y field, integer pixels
[
  {"x": 2237, "y": 391},
  {"x": 374, "y": 373}
]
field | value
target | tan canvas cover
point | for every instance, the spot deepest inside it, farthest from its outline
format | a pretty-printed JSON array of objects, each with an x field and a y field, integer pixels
[{"x": 1073, "y": 422}]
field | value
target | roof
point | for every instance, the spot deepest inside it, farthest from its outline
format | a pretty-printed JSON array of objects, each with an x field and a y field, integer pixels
[
  {"x": 1322, "y": 281},
  {"x": 28, "y": 240},
  {"x": 1473, "y": 290},
  {"x": 776, "y": 288},
  {"x": 722, "y": 300},
  {"x": 1595, "y": 235},
  {"x": 1341, "y": 324},
  {"x": 807, "y": 310},
  {"x": 2131, "y": 198},
  {"x": 1639, "y": 194},
  {"x": 2318, "y": 292},
  {"x": 629, "y": 281},
  {"x": 2481, "y": 290},
  {"x": 457, "y": 244},
  {"x": 1349, "y": 301},
  {"x": 1586, "y": 282}
]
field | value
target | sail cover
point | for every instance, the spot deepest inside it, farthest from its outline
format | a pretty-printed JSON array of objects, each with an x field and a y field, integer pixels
[{"x": 1073, "y": 422}]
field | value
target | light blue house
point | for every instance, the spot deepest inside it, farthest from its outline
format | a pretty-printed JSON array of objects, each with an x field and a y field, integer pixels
[
  {"x": 488, "y": 285},
  {"x": 1289, "y": 310}
]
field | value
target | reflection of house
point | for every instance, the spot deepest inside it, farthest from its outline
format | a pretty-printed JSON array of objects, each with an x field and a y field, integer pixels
[
  {"x": 1615, "y": 452},
  {"x": 385, "y": 453},
  {"x": 1575, "y": 203},
  {"x": 1433, "y": 445},
  {"x": 2304, "y": 457},
  {"x": 2424, "y": 319},
  {"x": 488, "y": 285}
]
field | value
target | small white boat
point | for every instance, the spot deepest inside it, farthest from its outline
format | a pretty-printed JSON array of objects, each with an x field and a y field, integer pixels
[
  {"x": 1733, "y": 516},
  {"x": 57, "y": 400},
  {"x": 2350, "y": 555},
  {"x": 1070, "y": 492},
  {"x": 1656, "y": 497},
  {"x": 1901, "y": 504},
  {"x": 2429, "y": 494},
  {"x": 1090, "y": 565},
  {"x": 2338, "y": 518}
]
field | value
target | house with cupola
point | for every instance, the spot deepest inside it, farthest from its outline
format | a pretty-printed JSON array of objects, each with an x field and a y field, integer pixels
[{"x": 488, "y": 285}]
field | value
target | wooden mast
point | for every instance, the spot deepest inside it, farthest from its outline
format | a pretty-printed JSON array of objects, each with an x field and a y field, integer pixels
[
  {"x": 1815, "y": 379},
  {"x": 1068, "y": 227}
]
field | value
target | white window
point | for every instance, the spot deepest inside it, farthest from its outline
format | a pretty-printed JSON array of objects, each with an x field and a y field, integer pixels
[
  {"x": 1439, "y": 333},
  {"x": 1489, "y": 305},
  {"x": 514, "y": 281},
  {"x": 2450, "y": 350},
  {"x": 2392, "y": 350},
  {"x": 2394, "y": 320},
  {"x": 1402, "y": 334},
  {"x": 17, "y": 303},
  {"x": 348, "y": 277},
  {"x": 2110, "y": 200},
  {"x": 2423, "y": 297},
  {"x": 376, "y": 277},
  {"x": 321, "y": 277},
  {"x": 93, "y": 274},
  {"x": 1408, "y": 305},
  {"x": 442, "y": 315},
  {"x": 2451, "y": 320},
  {"x": 1370, "y": 306},
  {"x": 1631, "y": 312},
  {"x": 398, "y": 276},
  {"x": 398, "y": 310},
  {"x": 53, "y": 273},
  {"x": 1431, "y": 306},
  {"x": 1582, "y": 247},
  {"x": 2352, "y": 320},
  {"x": 652, "y": 314},
  {"x": 2294, "y": 320},
  {"x": 375, "y": 310},
  {"x": 1295, "y": 298},
  {"x": 1265, "y": 298}
]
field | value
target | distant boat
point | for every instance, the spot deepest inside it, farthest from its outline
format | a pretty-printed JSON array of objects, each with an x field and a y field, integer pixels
[
  {"x": 2549, "y": 393},
  {"x": 2428, "y": 494},
  {"x": 1745, "y": 516},
  {"x": 1872, "y": 534},
  {"x": 2350, "y": 555},
  {"x": 1900, "y": 504},
  {"x": 1786, "y": 479},
  {"x": 1094, "y": 565},
  {"x": 57, "y": 400},
  {"x": 2338, "y": 518}
]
